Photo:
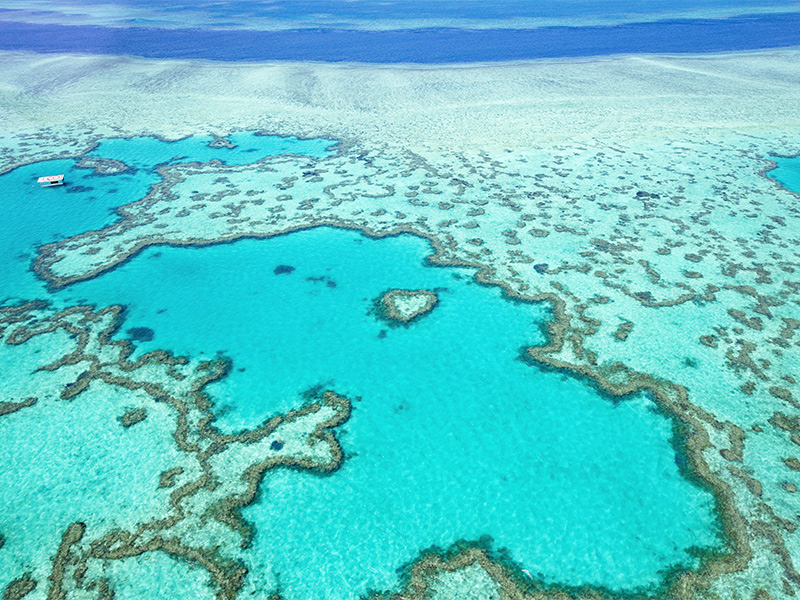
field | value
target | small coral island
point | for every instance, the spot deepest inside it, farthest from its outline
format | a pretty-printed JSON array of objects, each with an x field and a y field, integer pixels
[{"x": 403, "y": 306}]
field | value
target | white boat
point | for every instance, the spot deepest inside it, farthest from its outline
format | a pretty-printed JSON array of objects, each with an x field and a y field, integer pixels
[{"x": 50, "y": 180}]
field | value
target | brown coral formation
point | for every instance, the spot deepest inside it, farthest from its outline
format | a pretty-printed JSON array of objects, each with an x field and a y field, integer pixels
[
  {"x": 103, "y": 166},
  {"x": 404, "y": 306},
  {"x": 133, "y": 416},
  {"x": 6, "y": 408},
  {"x": 204, "y": 495},
  {"x": 19, "y": 588}
]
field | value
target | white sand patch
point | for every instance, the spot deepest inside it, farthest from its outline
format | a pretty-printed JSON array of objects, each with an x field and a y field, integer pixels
[{"x": 410, "y": 305}]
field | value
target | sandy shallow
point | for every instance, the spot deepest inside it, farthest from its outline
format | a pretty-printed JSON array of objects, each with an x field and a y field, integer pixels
[
  {"x": 478, "y": 107},
  {"x": 627, "y": 191}
]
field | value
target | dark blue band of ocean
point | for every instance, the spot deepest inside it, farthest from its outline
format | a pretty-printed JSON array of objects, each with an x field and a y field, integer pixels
[{"x": 432, "y": 46}]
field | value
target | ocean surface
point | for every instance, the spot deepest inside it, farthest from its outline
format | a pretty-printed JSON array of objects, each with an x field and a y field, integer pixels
[
  {"x": 426, "y": 45},
  {"x": 452, "y": 436},
  {"x": 241, "y": 12},
  {"x": 374, "y": 14}
]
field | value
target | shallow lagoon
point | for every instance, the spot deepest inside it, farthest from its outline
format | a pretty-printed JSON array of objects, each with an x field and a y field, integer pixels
[
  {"x": 787, "y": 172},
  {"x": 452, "y": 436},
  {"x": 36, "y": 216}
]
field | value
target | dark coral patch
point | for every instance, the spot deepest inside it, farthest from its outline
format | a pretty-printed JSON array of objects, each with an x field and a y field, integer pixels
[
  {"x": 141, "y": 334},
  {"x": 283, "y": 270},
  {"x": 78, "y": 189},
  {"x": 133, "y": 416},
  {"x": 19, "y": 588}
]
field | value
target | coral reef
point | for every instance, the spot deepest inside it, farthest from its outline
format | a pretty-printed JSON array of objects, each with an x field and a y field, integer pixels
[
  {"x": 739, "y": 311},
  {"x": 404, "y": 306},
  {"x": 220, "y": 475}
]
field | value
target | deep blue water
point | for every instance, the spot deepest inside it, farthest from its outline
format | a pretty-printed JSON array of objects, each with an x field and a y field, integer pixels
[
  {"x": 239, "y": 13},
  {"x": 435, "y": 45}
]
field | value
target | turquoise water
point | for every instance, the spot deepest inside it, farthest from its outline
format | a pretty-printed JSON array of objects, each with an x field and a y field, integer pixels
[
  {"x": 72, "y": 461},
  {"x": 32, "y": 216},
  {"x": 451, "y": 437},
  {"x": 787, "y": 172},
  {"x": 147, "y": 152}
]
